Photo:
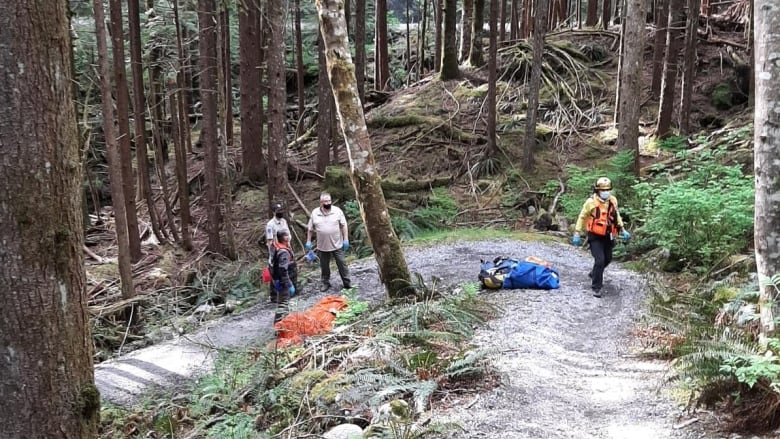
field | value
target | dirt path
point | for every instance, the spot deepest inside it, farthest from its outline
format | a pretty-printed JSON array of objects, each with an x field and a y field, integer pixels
[{"x": 566, "y": 368}]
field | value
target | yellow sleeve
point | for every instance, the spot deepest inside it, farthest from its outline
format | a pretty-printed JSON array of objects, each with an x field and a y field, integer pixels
[{"x": 584, "y": 213}]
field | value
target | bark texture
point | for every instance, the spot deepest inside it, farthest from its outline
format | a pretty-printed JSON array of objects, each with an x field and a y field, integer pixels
[
  {"x": 492, "y": 146},
  {"x": 767, "y": 151},
  {"x": 277, "y": 95},
  {"x": 540, "y": 29},
  {"x": 251, "y": 83},
  {"x": 393, "y": 269},
  {"x": 112, "y": 152},
  {"x": 689, "y": 68},
  {"x": 324, "y": 110},
  {"x": 139, "y": 116},
  {"x": 477, "y": 33},
  {"x": 382, "y": 62},
  {"x": 207, "y": 45},
  {"x": 123, "y": 123},
  {"x": 46, "y": 378},
  {"x": 465, "y": 29},
  {"x": 449, "y": 58},
  {"x": 630, "y": 78},
  {"x": 360, "y": 47},
  {"x": 669, "y": 82},
  {"x": 661, "y": 20}
]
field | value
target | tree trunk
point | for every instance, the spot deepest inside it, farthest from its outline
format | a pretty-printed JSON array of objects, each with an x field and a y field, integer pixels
[
  {"x": 381, "y": 61},
  {"x": 112, "y": 152},
  {"x": 528, "y": 13},
  {"x": 492, "y": 145},
  {"x": 631, "y": 78},
  {"x": 251, "y": 83},
  {"x": 540, "y": 29},
  {"x": 477, "y": 33},
  {"x": 669, "y": 82},
  {"x": 606, "y": 13},
  {"x": 207, "y": 46},
  {"x": 449, "y": 59},
  {"x": 123, "y": 121},
  {"x": 46, "y": 378},
  {"x": 299, "y": 64},
  {"x": 689, "y": 68},
  {"x": 502, "y": 21},
  {"x": 348, "y": 16},
  {"x": 227, "y": 76},
  {"x": 139, "y": 117},
  {"x": 277, "y": 95},
  {"x": 592, "y": 17},
  {"x": 360, "y": 47},
  {"x": 578, "y": 7},
  {"x": 514, "y": 25},
  {"x": 422, "y": 40},
  {"x": 465, "y": 29},
  {"x": 661, "y": 18},
  {"x": 387, "y": 247},
  {"x": 437, "y": 34},
  {"x": 325, "y": 110},
  {"x": 180, "y": 154},
  {"x": 766, "y": 164},
  {"x": 408, "y": 43}
]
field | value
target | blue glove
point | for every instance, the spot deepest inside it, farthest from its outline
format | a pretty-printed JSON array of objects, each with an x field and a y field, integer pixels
[
  {"x": 310, "y": 256},
  {"x": 308, "y": 245},
  {"x": 576, "y": 240},
  {"x": 292, "y": 290},
  {"x": 345, "y": 245},
  {"x": 625, "y": 235},
  {"x": 277, "y": 285}
]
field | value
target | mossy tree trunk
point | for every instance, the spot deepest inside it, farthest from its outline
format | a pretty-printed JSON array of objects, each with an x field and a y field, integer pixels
[
  {"x": 46, "y": 375},
  {"x": 767, "y": 151},
  {"x": 277, "y": 102},
  {"x": 630, "y": 78},
  {"x": 251, "y": 84},
  {"x": 393, "y": 270},
  {"x": 449, "y": 58}
]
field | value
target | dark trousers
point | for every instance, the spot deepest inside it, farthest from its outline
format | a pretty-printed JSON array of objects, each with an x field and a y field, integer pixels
[
  {"x": 601, "y": 249},
  {"x": 341, "y": 263}
]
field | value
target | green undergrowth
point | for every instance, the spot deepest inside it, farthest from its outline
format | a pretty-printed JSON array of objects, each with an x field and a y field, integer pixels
[{"x": 379, "y": 368}]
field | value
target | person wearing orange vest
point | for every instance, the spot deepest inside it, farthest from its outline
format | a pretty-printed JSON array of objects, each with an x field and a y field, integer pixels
[{"x": 601, "y": 219}]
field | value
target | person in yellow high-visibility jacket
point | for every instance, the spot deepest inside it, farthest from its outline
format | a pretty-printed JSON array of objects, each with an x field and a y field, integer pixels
[{"x": 601, "y": 220}]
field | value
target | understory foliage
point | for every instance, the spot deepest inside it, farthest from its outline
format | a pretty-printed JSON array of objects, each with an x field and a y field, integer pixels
[
  {"x": 720, "y": 359},
  {"x": 379, "y": 369}
]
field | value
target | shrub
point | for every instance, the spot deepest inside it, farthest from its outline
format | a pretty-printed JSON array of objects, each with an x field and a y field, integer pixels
[{"x": 702, "y": 218}]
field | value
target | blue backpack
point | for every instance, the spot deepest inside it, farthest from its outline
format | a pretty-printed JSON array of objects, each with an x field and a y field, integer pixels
[{"x": 532, "y": 273}]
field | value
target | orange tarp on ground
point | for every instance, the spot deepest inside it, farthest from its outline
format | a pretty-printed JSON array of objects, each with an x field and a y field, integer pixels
[{"x": 316, "y": 320}]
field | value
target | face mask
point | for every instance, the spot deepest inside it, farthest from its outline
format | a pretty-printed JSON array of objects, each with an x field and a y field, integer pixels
[
  {"x": 604, "y": 195},
  {"x": 326, "y": 206},
  {"x": 279, "y": 214}
]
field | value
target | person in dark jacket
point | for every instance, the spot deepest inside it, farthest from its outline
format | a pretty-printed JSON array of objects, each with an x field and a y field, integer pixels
[{"x": 284, "y": 272}]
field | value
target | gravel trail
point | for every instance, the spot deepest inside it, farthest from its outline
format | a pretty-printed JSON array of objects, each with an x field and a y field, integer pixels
[{"x": 565, "y": 365}]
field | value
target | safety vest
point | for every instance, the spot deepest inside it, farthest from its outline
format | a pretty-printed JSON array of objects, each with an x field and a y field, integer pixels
[{"x": 603, "y": 221}]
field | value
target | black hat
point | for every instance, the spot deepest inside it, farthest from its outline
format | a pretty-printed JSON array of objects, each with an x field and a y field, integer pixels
[
  {"x": 277, "y": 207},
  {"x": 281, "y": 234}
]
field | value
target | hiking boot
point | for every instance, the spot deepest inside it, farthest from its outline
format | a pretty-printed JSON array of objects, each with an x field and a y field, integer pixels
[
  {"x": 346, "y": 287},
  {"x": 324, "y": 288},
  {"x": 597, "y": 292}
]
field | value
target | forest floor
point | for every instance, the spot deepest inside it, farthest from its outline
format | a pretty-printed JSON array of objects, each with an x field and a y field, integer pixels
[{"x": 568, "y": 364}]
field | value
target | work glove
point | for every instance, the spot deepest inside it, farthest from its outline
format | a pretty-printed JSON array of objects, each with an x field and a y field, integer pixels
[
  {"x": 292, "y": 290},
  {"x": 345, "y": 245},
  {"x": 625, "y": 235},
  {"x": 308, "y": 245},
  {"x": 576, "y": 240},
  {"x": 310, "y": 256}
]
